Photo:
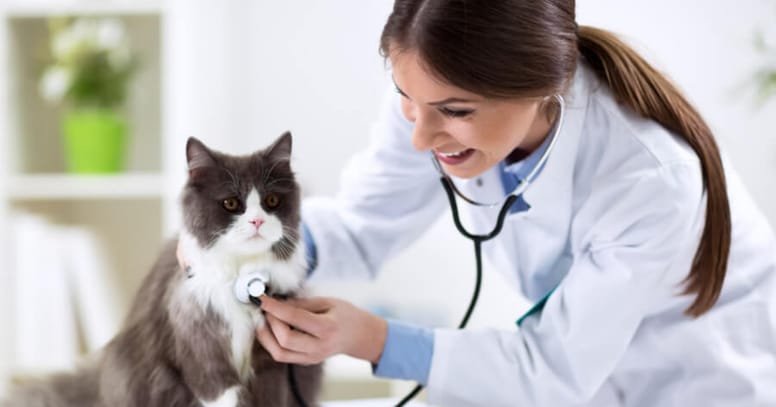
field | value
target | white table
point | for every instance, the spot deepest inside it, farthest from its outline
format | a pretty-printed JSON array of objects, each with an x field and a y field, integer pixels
[{"x": 390, "y": 402}]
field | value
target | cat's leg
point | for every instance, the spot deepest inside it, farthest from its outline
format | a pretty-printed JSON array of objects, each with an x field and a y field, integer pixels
[
  {"x": 309, "y": 381},
  {"x": 203, "y": 354},
  {"x": 268, "y": 382}
]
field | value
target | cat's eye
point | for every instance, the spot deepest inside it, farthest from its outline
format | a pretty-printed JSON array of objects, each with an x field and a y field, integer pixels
[
  {"x": 272, "y": 201},
  {"x": 231, "y": 204}
]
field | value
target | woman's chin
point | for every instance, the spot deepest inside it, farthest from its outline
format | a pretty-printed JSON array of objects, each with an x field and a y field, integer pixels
[{"x": 463, "y": 172}]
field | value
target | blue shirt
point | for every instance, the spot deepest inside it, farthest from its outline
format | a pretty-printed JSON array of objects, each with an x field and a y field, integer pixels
[{"x": 408, "y": 349}]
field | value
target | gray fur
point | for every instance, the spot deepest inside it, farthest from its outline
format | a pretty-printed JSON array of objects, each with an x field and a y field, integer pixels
[{"x": 167, "y": 356}]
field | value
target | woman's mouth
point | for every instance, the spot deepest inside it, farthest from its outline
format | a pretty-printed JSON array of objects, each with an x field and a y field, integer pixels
[{"x": 454, "y": 158}]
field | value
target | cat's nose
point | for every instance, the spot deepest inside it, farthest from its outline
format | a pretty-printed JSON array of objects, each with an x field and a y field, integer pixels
[{"x": 257, "y": 223}]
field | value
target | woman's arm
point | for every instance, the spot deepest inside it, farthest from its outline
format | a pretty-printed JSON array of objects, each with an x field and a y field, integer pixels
[
  {"x": 389, "y": 195},
  {"x": 633, "y": 257}
]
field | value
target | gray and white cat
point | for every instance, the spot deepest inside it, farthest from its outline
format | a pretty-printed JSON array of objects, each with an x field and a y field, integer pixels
[{"x": 187, "y": 341}]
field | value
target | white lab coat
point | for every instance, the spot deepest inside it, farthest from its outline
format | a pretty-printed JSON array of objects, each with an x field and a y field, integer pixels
[{"x": 615, "y": 221}]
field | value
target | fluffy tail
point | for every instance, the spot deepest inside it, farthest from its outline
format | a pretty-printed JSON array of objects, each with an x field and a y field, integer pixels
[{"x": 78, "y": 389}]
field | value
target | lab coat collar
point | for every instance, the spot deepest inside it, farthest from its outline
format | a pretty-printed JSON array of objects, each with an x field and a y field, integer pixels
[{"x": 553, "y": 183}]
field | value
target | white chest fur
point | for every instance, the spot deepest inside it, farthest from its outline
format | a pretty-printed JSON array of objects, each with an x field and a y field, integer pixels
[{"x": 210, "y": 286}]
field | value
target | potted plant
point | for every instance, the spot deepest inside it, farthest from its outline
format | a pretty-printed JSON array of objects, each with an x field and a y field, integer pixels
[{"x": 89, "y": 72}]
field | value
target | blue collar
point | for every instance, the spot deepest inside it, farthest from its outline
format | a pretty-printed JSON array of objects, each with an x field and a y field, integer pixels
[{"x": 511, "y": 174}]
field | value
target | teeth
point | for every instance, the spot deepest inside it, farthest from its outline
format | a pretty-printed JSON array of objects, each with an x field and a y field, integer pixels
[{"x": 457, "y": 154}]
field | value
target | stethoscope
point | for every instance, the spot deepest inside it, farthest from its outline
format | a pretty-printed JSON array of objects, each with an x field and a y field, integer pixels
[
  {"x": 248, "y": 289},
  {"x": 477, "y": 239}
]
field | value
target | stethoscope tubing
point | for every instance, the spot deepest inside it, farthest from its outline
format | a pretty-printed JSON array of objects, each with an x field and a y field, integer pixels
[
  {"x": 447, "y": 184},
  {"x": 477, "y": 239}
]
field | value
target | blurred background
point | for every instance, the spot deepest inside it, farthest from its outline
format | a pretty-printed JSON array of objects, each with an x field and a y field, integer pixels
[{"x": 77, "y": 234}]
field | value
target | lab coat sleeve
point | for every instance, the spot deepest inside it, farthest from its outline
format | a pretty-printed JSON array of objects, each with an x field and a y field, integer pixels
[
  {"x": 633, "y": 242},
  {"x": 389, "y": 195}
]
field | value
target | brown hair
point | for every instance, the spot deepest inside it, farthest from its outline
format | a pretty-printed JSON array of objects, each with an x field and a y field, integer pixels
[{"x": 514, "y": 48}]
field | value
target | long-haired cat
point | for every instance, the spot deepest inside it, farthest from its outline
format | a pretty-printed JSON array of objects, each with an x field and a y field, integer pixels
[{"x": 187, "y": 341}]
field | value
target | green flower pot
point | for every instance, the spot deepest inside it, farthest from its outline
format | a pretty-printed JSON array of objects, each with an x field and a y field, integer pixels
[{"x": 95, "y": 141}]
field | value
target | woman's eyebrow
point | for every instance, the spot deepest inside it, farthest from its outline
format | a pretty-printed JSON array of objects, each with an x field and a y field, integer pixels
[
  {"x": 450, "y": 100},
  {"x": 439, "y": 102}
]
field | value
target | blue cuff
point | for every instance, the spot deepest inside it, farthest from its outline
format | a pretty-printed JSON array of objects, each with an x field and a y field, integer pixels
[
  {"x": 407, "y": 353},
  {"x": 312, "y": 252}
]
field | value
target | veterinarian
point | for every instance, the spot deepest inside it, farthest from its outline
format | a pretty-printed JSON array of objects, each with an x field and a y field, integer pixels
[{"x": 653, "y": 272}]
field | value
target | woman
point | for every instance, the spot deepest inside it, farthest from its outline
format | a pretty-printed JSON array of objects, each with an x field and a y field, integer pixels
[{"x": 657, "y": 269}]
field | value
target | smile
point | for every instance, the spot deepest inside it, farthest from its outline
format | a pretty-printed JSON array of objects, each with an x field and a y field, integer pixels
[{"x": 454, "y": 158}]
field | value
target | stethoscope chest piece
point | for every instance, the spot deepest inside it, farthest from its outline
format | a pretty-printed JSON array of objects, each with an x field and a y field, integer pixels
[{"x": 253, "y": 284}]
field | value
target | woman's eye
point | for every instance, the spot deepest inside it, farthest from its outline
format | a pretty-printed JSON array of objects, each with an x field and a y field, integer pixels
[
  {"x": 231, "y": 204},
  {"x": 399, "y": 91},
  {"x": 272, "y": 201},
  {"x": 455, "y": 112}
]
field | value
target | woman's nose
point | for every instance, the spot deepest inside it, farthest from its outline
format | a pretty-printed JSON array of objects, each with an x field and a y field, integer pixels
[
  {"x": 422, "y": 136},
  {"x": 425, "y": 130},
  {"x": 408, "y": 109}
]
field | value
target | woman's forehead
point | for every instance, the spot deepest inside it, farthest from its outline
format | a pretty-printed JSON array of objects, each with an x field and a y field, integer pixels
[{"x": 416, "y": 80}]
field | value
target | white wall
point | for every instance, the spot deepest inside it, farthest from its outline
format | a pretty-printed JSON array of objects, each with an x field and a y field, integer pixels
[
  {"x": 312, "y": 67},
  {"x": 707, "y": 48},
  {"x": 6, "y": 276}
]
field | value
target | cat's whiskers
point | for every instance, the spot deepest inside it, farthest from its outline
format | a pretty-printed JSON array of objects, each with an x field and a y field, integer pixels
[{"x": 289, "y": 242}]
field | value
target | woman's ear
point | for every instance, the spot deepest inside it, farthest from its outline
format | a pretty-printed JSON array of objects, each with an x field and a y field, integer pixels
[{"x": 549, "y": 106}]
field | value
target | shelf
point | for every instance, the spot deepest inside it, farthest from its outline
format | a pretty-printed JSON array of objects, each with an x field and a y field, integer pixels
[
  {"x": 50, "y": 8},
  {"x": 51, "y": 187}
]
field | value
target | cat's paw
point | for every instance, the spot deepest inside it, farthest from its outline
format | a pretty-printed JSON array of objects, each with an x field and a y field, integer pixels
[{"x": 228, "y": 398}]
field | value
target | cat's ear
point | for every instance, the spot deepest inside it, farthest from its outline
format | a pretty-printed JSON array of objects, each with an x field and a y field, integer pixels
[
  {"x": 281, "y": 148},
  {"x": 199, "y": 157}
]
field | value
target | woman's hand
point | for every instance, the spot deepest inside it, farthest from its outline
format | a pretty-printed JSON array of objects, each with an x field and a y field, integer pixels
[{"x": 309, "y": 330}]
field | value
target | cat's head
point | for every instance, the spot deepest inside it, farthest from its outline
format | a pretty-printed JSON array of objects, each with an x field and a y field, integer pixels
[{"x": 246, "y": 205}]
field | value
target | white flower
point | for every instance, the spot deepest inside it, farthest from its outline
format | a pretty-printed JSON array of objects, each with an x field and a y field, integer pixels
[
  {"x": 75, "y": 43},
  {"x": 79, "y": 35},
  {"x": 110, "y": 33},
  {"x": 84, "y": 30},
  {"x": 54, "y": 83},
  {"x": 64, "y": 44}
]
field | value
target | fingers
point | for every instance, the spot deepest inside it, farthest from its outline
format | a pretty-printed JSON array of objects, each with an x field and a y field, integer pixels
[
  {"x": 301, "y": 318},
  {"x": 270, "y": 343},
  {"x": 290, "y": 339}
]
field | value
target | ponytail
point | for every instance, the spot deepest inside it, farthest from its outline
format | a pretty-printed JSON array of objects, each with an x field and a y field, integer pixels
[{"x": 643, "y": 89}]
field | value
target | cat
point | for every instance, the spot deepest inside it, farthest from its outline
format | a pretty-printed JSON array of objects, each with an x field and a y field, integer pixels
[{"x": 187, "y": 341}]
